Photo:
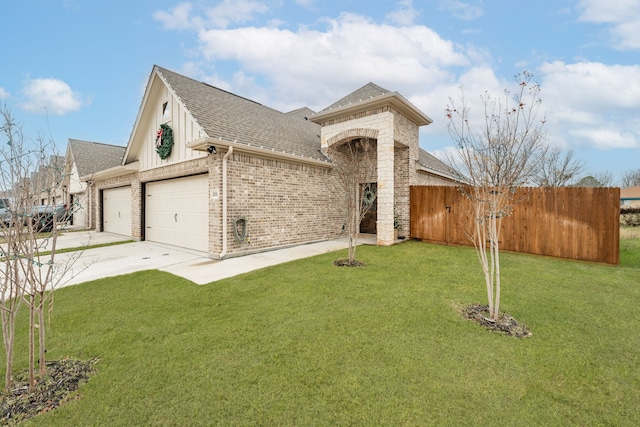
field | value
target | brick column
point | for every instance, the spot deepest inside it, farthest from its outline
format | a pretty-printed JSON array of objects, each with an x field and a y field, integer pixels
[{"x": 385, "y": 184}]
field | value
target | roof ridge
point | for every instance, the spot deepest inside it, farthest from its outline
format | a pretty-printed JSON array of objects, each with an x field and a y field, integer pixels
[
  {"x": 96, "y": 142},
  {"x": 161, "y": 69},
  {"x": 364, "y": 93}
]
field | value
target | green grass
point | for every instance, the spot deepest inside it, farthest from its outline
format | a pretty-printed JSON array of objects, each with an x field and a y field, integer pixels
[
  {"x": 307, "y": 343},
  {"x": 84, "y": 248}
]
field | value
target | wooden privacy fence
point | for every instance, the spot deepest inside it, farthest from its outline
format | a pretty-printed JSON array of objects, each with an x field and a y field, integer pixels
[{"x": 567, "y": 222}]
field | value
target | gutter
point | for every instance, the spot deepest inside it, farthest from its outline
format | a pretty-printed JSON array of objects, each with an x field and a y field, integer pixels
[
  {"x": 203, "y": 144},
  {"x": 224, "y": 202},
  {"x": 436, "y": 172},
  {"x": 113, "y": 172}
]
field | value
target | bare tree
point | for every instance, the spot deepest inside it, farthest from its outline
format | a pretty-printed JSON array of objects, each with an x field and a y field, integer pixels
[
  {"x": 495, "y": 161},
  {"x": 631, "y": 178},
  {"x": 557, "y": 169},
  {"x": 31, "y": 184},
  {"x": 355, "y": 167}
]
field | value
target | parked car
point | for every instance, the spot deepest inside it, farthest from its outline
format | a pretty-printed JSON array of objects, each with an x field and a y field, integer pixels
[
  {"x": 43, "y": 218},
  {"x": 5, "y": 215}
]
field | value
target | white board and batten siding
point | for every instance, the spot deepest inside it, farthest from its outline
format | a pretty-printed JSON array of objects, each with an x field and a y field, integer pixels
[
  {"x": 177, "y": 212},
  {"x": 184, "y": 128},
  {"x": 116, "y": 210}
]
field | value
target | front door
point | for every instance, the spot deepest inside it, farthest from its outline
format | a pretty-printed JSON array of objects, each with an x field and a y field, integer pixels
[{"x": 370, "y": 219}]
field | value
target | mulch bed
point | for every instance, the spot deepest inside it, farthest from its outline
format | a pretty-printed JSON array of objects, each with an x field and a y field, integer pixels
[
  {"x": 505, "y": 324},
  {"x": 62, "y": 379},
  {"x": 344, "y": 262}
]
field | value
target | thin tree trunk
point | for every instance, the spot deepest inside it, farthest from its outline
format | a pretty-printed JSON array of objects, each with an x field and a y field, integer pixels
[
  {"x": 41, "y": 343},
  {"x": 482, "y": 255},
  {"x": 8, "y": 329},
  {"x": 497, "y": 225},
  {"x": 32, "y": 380}
]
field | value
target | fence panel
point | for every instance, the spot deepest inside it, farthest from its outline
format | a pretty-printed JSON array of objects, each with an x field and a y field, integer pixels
[{"x": 568, "y": 222}]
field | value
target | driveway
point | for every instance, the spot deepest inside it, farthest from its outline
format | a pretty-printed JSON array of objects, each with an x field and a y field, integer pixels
[{"x": 197, "y": 267}]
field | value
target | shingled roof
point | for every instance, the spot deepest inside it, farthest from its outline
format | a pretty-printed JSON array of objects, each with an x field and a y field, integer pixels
[
  {"x": 433, "y": 164},
  {"x": 91, "y": 157},
  {"x": 368, "y": 91},
  {"x": 233, "y": 118}
]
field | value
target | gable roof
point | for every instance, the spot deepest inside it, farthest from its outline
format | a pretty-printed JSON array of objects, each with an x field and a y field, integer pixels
[
  {"x": 368, "y": 91},
  {"x": 368, "y": 97},
  {"x": 91, "y": 157},
  {"x": 302, "y": 113},
  {"x": 233, "y": 118},
  {"x": 630, "y": 193}
]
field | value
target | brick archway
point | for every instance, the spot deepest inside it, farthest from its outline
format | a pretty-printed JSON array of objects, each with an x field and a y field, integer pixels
[{"x": 351, "y": 134}]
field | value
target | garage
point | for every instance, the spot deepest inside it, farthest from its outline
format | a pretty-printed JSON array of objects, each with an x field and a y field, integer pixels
[
  {"x": 116, "y": 210},
  {"x": 177, "y": 212},
  {"x": 79, "y": 209}
]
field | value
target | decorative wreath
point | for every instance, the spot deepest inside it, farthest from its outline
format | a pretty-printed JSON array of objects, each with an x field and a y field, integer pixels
[
  {"x": 368, "y": 196},
  {"x": 164, "y": 141},
  {"x": 240, "y": 229}
]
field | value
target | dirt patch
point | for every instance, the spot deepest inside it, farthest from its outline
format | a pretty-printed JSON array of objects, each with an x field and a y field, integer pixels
[
  {"x": 344, "y": 262},
  {"x": 62, "y": 379},
  {"x": 505, "y": 324}
]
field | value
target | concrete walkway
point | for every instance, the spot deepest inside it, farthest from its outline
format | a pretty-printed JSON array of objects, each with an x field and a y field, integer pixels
[{"x": 195, "y": 266}]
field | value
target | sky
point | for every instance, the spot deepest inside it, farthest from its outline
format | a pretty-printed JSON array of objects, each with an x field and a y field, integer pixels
[{"x": 78, "y": 68}]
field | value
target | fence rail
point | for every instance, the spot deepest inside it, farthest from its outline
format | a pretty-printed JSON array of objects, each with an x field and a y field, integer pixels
[{"x": 568, "y": 222}]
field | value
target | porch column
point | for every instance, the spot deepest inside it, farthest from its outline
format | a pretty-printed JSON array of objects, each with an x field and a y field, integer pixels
[{"x": 385, "y": 185}]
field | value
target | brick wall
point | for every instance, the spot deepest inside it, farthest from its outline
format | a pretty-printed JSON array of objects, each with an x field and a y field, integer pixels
[{"x": 284, "y": 203}]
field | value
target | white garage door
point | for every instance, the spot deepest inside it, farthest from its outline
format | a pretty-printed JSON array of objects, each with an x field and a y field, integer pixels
[
  {"x": 116, "y": 210},
  {"x": 79, "y": 209},
  {"x": 177, "y": 212}
]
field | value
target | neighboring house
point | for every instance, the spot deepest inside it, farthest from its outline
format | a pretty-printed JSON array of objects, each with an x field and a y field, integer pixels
[
  {"x": 242, "y": 177},
  {"x": 83, "y": 159},
  {"x": 630, "y": 197},
  {"x": 44, "y": 184}
]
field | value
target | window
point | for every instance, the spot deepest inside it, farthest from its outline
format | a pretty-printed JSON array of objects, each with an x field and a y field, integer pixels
[{"x": 166, "y": 111}]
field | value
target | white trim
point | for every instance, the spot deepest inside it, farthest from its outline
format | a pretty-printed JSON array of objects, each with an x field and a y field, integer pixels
[{"x": 203, "y": 144}]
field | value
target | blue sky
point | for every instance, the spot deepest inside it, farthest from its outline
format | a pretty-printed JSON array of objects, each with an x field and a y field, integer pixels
[{"x": 78, "y": 68}]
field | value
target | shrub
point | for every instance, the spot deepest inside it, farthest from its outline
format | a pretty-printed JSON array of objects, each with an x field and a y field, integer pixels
[{"x": 630, "y": 217}]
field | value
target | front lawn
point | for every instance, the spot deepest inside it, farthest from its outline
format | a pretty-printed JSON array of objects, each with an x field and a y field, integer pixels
[{"x": 307, "y": 343}]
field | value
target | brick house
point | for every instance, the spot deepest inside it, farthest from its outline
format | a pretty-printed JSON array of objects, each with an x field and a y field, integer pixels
[
  {"x": 83, "y": 160},
  {"x": 630, "y": 197},
  {"x": 242, "y": 177}
]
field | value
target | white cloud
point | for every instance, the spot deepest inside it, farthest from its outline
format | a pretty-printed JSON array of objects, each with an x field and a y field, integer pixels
[
  {"x": 50, "y": 95},
  {"x": 623, "y": 16},
  {"x": 593, "y": 103},
  {"x": 588, "y": 104},
  {"x": 350, "y": 46},
  {"x": 593, "y": 85},
  {"x": 405, "y": 14},
  {"x": 462, "y": 10},
  {"x": 606, "y": 139},
  {"x": 179, "y": 18},
  {"x": 3, "y": 93},
  {"x": 222, "y": 15}
]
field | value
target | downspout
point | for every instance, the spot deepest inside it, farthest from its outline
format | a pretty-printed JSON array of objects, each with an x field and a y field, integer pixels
[{"x": 224, "y": 202}]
